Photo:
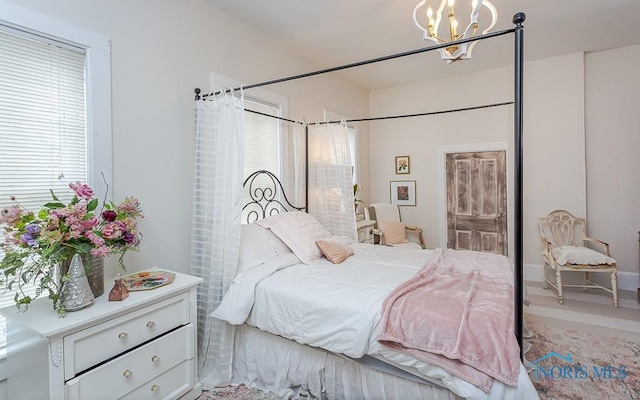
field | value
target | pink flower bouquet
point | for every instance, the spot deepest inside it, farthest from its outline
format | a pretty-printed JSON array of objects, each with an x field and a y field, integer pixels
[{"x": 34, "y": 244}]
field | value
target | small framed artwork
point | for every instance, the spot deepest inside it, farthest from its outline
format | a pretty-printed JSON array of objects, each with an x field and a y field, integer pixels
[
  {"x": 402, "y": 164},
  {"x": 403, "y": 193}
]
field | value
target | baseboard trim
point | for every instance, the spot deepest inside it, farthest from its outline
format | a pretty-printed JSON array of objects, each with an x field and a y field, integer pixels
[{"x": 626, "y": 280}]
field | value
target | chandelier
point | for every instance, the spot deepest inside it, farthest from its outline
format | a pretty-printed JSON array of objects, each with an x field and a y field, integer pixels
[{"x": 457, "y": 51}]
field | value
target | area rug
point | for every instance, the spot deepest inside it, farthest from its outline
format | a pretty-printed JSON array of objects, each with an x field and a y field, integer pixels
[
  {"x": 240, "y": 392},
  {"x": 566, "y": 364}
]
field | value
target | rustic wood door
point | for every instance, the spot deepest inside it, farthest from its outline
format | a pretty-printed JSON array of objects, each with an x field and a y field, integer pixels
[{"x": 477, "y": 201}]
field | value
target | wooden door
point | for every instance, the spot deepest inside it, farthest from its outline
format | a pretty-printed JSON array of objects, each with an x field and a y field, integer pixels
[{"x": 477, "y": 201}]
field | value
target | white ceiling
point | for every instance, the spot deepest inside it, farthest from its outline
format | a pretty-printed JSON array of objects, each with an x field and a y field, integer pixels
[{"x": 330, "y": 33}]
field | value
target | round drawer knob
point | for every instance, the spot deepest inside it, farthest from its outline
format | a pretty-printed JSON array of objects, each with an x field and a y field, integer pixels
[
  {"x": 127, "y": 374},
  {"x": 155, "y": 388},
  {"x": 151, "y": 324},
  {"x": 155, "y": 359},
  {"x": 122, "y": 335}
]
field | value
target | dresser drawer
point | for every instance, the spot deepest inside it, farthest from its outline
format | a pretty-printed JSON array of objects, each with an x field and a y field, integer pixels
[
  {"x": 168, "y": 386},
  {"x": 86, "y": 348},
  {"x": 139, "y": 367}
]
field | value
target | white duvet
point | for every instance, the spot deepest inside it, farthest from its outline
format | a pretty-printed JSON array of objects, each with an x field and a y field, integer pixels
[{"x": 337, "y": 308}]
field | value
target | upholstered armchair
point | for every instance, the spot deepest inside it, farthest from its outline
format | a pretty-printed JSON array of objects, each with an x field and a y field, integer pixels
[
  {"x": 565, "y": 248},
  {"x": 390, "y": 230}
]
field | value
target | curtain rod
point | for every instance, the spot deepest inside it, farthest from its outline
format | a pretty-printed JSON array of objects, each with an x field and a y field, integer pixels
[
  {"x": 274, "y": 116},
  {"x": 387, "y": 117},
  {"x": 365, "y": 62},
  {"x": 424, "y": 114}
]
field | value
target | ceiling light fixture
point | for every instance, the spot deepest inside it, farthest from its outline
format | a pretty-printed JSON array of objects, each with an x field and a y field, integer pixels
[{"x": 458, "y": 51}]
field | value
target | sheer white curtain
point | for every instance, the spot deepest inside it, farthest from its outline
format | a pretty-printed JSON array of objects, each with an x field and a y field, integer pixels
[
  {"x": 330, "y": 179},
  {"x": 215, "y": 237},
  {"x": 299, "y": 160}
]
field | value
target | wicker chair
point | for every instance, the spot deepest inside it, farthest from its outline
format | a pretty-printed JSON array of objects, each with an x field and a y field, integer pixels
[{"x": 565, "y": 249}]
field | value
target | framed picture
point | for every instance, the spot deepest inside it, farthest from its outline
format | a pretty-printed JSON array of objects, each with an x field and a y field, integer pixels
[
  {"x": 403, "y": 193},
  {"x": 402, "y": 164}
]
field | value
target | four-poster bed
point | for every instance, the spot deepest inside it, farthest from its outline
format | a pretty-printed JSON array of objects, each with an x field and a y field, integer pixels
[{"x": 253, "y": 344}]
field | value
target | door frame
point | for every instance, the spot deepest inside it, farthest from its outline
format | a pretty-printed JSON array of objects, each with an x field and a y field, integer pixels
[{"x": 442, "y": 152}]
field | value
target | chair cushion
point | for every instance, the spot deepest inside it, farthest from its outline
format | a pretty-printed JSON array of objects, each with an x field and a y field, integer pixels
[
  {"x": 580, "y": 255},
  {"x": 393, "y": 232},
  {"x": 335, "y": 249},
  {"x": 408, "y": 245}
]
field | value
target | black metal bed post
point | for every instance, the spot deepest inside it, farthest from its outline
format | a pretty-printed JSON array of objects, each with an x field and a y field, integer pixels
[{"x": 518, "y": 19}]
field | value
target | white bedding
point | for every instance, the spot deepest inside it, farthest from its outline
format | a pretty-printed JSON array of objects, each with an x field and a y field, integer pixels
[{"x": 337, "y": 308}]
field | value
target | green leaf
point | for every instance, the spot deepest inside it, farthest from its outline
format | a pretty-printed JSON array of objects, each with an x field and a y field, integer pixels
[
  {"x": 54, "y": 205},
  {"x": 25, "y": 277},
  {"x": 92, "y": 205},
  {"x": 24, "y": 300},
  {"x": 54, "y": 196}
]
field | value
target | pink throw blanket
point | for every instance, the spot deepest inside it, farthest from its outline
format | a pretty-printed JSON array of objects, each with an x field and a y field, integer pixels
[{"x": 457, "y": 313}]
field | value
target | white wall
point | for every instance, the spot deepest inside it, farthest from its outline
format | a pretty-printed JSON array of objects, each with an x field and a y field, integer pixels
[
  {"x": 613, "y": 146},
  {"x": 553, "y": 139},
  {"x": 161, "y": 50}
]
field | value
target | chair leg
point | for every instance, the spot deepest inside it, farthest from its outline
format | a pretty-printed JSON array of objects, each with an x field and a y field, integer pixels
[
  {"x": 559, "y": 284},
  {"x": 587, "y": 277},
  {"x": 545, "y": 285},
  {"x": 614, "y": 288}
]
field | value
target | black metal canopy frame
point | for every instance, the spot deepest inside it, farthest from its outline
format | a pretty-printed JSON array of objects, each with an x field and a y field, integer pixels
[{"x": 518, "y": 66}]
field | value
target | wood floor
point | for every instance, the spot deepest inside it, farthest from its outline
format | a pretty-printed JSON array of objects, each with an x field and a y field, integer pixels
[{"x": 587, "y": 312}]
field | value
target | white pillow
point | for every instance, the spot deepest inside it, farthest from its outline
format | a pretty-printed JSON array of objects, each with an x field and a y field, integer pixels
[
  {"x": 299, "y": 231},
  {"x": 258, "y": 244},
  {"x": 580, "y": 255}
]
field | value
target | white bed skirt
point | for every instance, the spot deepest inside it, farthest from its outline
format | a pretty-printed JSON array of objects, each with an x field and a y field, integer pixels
[{"x": 291, "y": 370}]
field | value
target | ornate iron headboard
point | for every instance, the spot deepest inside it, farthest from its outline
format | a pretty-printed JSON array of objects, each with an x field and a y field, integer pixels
[{"x": 266, "y": 197}]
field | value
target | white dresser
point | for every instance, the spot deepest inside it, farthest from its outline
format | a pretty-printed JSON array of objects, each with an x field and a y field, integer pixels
[{"x": 141, "y": 348}]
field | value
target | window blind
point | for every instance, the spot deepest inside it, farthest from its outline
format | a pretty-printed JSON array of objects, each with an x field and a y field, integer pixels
[
  {"x": 262, "y": 142},
  {"x": 262, "y": 138},
  {"x": 42, "y": 123}
]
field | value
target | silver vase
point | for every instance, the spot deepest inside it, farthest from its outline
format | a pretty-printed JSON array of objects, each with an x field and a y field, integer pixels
[{"x": 76, "y": 293}]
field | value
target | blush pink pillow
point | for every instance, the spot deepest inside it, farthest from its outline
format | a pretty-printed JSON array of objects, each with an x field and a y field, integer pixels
[
  {"x": 393, "y": 232},
  {"x": 335, "y": 249}
]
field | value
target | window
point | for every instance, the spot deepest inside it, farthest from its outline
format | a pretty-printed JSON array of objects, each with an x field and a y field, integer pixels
[
  {"x": 266, "y": 147},
  {"x": 42, "y": 126},
  {"x": 262, "y": 137},
  {"x": 351, "y": 131},
  {"x": 263, "y": 143},
  {"x": 353, "y": 140},
  {"x": 55, "y": 116}
]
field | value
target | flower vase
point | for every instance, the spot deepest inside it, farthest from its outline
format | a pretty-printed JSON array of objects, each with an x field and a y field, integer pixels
[
  {"x": 94, "y": 270},
  {"x": 76, "y": 292}
]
